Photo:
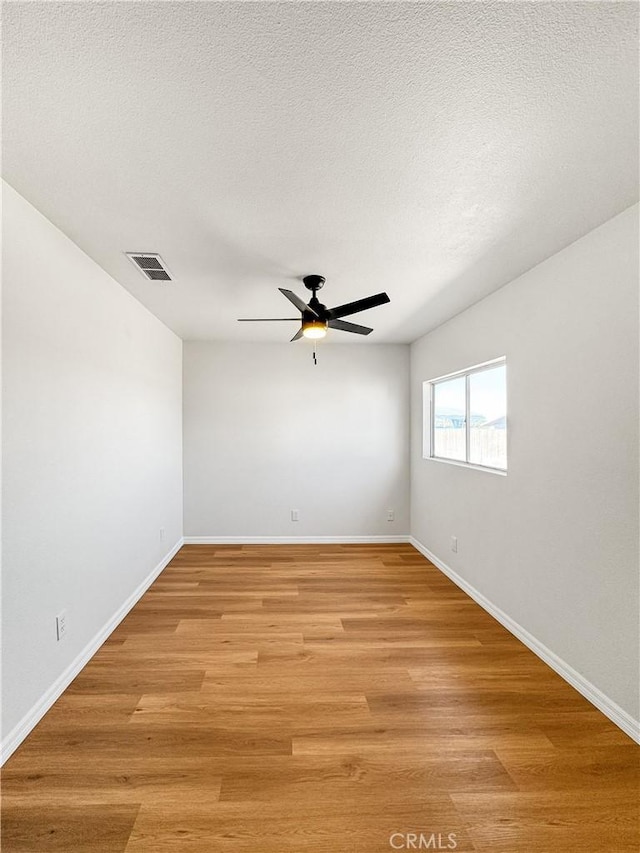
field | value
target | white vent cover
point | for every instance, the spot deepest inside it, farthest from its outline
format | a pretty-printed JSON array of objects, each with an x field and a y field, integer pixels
[{"x": 150, "y": 265}]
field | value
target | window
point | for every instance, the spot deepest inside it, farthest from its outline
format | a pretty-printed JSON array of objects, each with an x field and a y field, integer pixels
[{"x": 465, "y": 416}]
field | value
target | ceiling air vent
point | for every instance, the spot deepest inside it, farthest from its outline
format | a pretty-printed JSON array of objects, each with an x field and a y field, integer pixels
[{"x": 151, "y": 266}]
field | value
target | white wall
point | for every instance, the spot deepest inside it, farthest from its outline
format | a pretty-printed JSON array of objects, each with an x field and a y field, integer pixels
[
  {"x": 92, "y": 452},
  {"x": 267, "y": 431},
  {"x": 554, "y": 544}
]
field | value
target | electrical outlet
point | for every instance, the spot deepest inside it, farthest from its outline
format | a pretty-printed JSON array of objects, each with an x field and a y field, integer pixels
[
  {"x": 61, "y": 625},
  {"x": 454, "y": 544},
  {"x": 295, "y": 515},
  {"x": 390, "y": 515},
  {"x": 162, "y": 534}
]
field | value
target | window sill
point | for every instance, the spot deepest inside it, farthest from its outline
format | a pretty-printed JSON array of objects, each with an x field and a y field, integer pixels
[{"x": 499, "y": 471}]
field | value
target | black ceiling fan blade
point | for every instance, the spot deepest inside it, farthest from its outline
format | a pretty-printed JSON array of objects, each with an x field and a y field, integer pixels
[
  {"x": 358, "y": 305},
  {"x": 300, "y": 305},
  {"x": 268, "y": 319},
  {"x": 297, "y": 335},
  {"x": 343, "y": 326}
]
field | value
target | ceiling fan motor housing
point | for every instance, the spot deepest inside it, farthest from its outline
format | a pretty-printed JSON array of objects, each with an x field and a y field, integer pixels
[{"x": 318, "y": 317}]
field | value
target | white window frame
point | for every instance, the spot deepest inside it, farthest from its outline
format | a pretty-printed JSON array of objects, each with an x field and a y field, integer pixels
[{"x": 428, "y": 427}]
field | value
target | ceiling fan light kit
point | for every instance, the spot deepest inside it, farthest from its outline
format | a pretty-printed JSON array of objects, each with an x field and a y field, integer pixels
[
  {"x": 316, "y": 318},
  {"x": 314, "y": 329}
]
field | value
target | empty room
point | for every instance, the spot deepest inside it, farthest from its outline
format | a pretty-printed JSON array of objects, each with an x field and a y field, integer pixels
[{"x": 320, "y": 427}]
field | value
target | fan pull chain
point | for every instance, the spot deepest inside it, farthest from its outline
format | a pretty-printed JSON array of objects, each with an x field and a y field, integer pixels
[{"x": 315, "y": 360}]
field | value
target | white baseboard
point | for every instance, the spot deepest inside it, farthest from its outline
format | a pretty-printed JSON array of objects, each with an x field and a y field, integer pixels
[
  {"x": 602, "y": 702},
  {"x": 37, "y": 712},
  {"x": 296, "y": 540}
]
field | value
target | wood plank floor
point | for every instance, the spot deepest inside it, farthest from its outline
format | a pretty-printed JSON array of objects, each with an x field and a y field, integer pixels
[{"x": 318, "y": 699}]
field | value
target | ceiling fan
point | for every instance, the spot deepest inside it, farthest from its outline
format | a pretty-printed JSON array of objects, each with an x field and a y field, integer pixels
[{"x": 317, "y": 318}]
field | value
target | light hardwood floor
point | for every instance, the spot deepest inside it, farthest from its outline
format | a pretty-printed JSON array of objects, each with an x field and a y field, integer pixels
[{"x": 318, "y": 699}]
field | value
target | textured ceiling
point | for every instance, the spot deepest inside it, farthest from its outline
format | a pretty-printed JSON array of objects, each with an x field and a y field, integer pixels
[{"x": 433, "y": 150}]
